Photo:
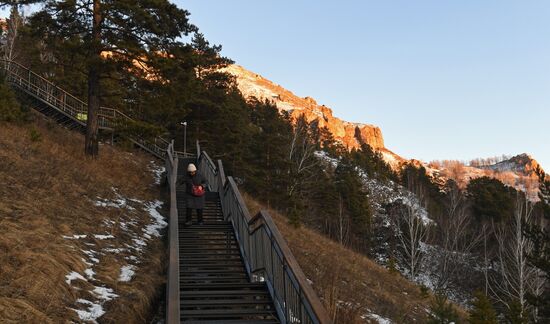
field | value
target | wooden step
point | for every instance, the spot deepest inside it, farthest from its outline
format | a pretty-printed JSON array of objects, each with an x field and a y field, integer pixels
[
  {"x": 225, "y": 302},
  {"x": 245, "y": 286},
  {"x": 213, "y": 313},
  {"x": 239, "y": 321}
]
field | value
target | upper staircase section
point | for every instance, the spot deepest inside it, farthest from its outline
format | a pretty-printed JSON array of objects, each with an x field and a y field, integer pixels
[{"x": 69, "y": 106}]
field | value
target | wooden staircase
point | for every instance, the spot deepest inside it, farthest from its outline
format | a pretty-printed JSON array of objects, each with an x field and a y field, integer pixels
[
  {"x": 214, "y": 284},
  {"x": 68, "y": 110},
  {"x": 235, "y": 268}
]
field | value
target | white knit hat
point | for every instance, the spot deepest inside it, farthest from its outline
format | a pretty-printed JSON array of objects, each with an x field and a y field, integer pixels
[{"x": 191, "y": 168}]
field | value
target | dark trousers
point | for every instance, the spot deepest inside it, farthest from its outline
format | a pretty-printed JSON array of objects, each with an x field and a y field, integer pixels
[{"x": 189, "y": 217}]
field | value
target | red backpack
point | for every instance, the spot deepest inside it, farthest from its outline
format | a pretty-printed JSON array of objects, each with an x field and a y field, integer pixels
[{"x": 198, "y": 191}]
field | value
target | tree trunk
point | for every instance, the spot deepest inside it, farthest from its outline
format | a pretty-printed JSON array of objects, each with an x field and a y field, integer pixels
[{"x": 91, "y": 146}]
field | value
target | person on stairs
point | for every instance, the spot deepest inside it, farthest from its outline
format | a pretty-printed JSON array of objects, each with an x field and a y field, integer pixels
[{"x": 195, "y": 188}]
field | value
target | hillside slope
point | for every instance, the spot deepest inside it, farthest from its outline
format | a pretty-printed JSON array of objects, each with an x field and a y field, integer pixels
[
  {"x": 353, "y": 288},
  {"x": 81, "y": 239},
  {"x": 516, "y": 172}
]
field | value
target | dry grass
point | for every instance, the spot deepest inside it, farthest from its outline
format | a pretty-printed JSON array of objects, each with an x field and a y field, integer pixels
[
  {"x": 350, "y": 284},
  {"x": 48, "y": 188}
]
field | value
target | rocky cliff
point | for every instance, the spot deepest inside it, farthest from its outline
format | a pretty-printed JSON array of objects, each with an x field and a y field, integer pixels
[
  {"x": 517, "y": 171},
  {"x": 254, "y": 85}
]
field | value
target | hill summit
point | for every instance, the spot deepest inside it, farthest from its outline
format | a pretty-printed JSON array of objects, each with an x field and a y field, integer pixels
[
  {"x": 349, "y": 134},
  {"x": 517, "y": 171}
]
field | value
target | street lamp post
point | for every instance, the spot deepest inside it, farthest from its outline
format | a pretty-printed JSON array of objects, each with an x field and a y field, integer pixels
[{"x": 185, "y": 138}]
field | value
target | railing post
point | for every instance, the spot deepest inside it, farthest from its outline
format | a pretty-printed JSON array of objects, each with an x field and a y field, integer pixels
[
  {"x": 198, "y": 150},
  {"x": 172, "y": 289}
]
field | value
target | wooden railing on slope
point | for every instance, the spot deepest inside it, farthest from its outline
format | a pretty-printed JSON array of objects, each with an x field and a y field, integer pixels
[
  {"x": 46, "y": 91},
  {"x": 266, "y": 255},
  {"x": 172, "y": 284}
]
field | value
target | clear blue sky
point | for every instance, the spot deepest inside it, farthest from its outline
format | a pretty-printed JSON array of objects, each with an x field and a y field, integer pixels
[{"x": 443, "y": 79}]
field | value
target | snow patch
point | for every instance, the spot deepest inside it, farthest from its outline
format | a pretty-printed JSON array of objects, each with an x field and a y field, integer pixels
[
  {"x": 103, "y": 237},
  {"x": 74, "y": 237},
  {"x": 104, "y": 293},
  {"x": 378, "y": 318},
  {"x": 73, "y": 276},
  {"x": 126, "y": 273},
  {"x": 93, "y": 312},
  {"x": 158, "y": 220},
  {"x": 114, "y": 250},
  {"x": 89, "y": 273},
  {"x": 91, "y": 255},
  {"x": 157, "y": 171}
]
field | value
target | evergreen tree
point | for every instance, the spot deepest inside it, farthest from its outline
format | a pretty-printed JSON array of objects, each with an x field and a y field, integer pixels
[
  {"x": 491, "y": 199},
  {"x": 110, "y": 38},
  {"x": 442, "y": 312},
  {"x": 482, "y": 311},
  {"x": 10, "y": 109},
  {"x": 373, "y": 163},
  {"x": 416, "y": 179},
  {"x": 355, "y": 201},
  {"x": 514, "y": 315},
  {"x": 267, "y": 174}
]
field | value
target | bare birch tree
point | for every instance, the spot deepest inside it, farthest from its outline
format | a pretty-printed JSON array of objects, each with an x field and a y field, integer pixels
[
  {"x": 410, "y": 228},
  {"x": 455, "y": 238},
  {"x": 301, "y": 155},
  {"x": 515, "y": 278},
  {"x": 14, "y": 25},
  {"x": 343, "y": 223},
  {"x": 410, "y": 232}
]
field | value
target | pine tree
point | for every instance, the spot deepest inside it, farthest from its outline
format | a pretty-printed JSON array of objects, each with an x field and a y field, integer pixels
[
  {"x": 110, "y": 38},
  {"x": 482, "y": 311},
  {"x": 514, "y": 315},
  {"x": 267, "y": 174},
  {"x": 10, "y": 109},
  {"x": 491, "y": 199},
  {"x": 355, "y": 202},
  {"x": 442, "y": 312}
]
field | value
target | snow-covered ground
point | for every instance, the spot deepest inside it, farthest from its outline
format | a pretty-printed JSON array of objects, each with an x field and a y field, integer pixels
[
  {"x": 382, "y": 193},
  {"x": 377, "y": 318},
  {"x": 157, "y": 170},
  {"x": 106, "y": 242}
]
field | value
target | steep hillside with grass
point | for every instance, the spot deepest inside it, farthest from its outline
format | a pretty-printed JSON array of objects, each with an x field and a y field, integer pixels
[
  {"x": 81, "y": 239},
  {"x": 353, "y": 288}
]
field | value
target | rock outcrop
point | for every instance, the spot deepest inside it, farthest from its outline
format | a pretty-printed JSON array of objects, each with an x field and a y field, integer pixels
[
  {"x": 518, "y": 171},
  {"x": 349, "y": 134}
]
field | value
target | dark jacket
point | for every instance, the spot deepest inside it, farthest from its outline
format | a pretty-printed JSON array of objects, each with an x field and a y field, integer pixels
[{"x": 188, "y": 182}]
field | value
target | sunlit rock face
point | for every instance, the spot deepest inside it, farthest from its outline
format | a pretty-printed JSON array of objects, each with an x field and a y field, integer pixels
[
  {"x": 517, "y": 171},
  {"x": 349, "y": 134}
]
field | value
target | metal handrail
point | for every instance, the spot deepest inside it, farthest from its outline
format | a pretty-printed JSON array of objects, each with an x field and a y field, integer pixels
[
  {"x": 266, "y": 255},
  {"x": 172, "y": 285},
  {"x": 46, "y": 91},
  {"x": 208, "y": 169}
]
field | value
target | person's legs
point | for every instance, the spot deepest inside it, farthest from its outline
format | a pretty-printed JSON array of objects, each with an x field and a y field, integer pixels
[
  {"x": 199, "y": 215},
  {"x": 188, "y": 215}
]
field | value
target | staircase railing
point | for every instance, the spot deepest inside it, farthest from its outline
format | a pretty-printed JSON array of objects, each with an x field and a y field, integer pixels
[
  {"x": 172, "y": 285},
  {"x": 266, "y": 255},
  {"x": 209, "y": 170},
  {"x": 46, "y": 91}
]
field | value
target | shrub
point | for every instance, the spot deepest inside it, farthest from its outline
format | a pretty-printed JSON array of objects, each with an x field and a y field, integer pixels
[
  {"x": 35, "y": 135},
  {"x": 443, "y": 312},
  {"x": 482, "y": 310},
  {"x": 10, "y": 109}
]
